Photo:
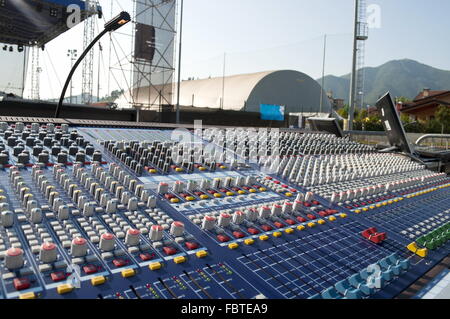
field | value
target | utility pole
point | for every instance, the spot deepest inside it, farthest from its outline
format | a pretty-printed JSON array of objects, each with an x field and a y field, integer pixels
[{"x": 323, "y": 71}]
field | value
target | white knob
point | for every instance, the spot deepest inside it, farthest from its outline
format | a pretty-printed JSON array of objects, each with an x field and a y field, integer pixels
[
  {"x": 177, "y": 229},
  {"x": 132, "y": 237},
  {"x": 48, "y": 253},
  {"x": 79, "y": 247},
  {"x": 107, "y": 241},
  {"x": 156, "y": 233},
  {"x": 14, "y": 258}
]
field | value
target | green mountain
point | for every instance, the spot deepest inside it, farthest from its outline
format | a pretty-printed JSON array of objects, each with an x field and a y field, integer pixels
[{"x": 400, "y": 77}]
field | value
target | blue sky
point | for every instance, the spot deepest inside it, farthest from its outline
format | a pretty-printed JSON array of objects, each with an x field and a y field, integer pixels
[{"x": 259, "y": 35}]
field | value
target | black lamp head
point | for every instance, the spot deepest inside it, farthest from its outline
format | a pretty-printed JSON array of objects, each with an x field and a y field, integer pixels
[{"x": 117, "y": 22}]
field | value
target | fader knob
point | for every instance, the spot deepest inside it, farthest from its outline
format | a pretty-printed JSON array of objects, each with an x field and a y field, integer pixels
[
  {"x": 177, "y": 229},
  {"x": 208, "y": 222},
  {"x": 48, "y": 253},
  {"x": 79, "y": 247},
  {"x": 14, "y": 258},
  {"x": 132, "y": 237},
  {"x": 224, "y": 220},
  {"x": 107, "y": 241},
  {"x": 156, "y": 233},
  {"x": 7, "y": 218}
]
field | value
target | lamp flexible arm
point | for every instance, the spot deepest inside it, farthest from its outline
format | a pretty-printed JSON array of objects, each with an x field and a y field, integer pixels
[{"x": 69, "y": 78}]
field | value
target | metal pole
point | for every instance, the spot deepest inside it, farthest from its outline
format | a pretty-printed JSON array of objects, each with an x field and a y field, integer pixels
[
  {"x": 323, "y": 71},
  {"x": 223, "y": 80},
  {"x": 98, "y": 72},
  {"x": 353, "y": 80},
  {"x": 179, "y": 64}
]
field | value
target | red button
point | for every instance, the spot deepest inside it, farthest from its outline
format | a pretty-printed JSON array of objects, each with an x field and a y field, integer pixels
[
  {"x": 253, "y": 231},
  {"x": 168, "y": 250},
  {"x": 58, "y": 276},
  {"x": 311, "y": 216},
  {"x": 238, "y": 234},
  {"x": 266, "y": 227},
  {"x": 21, "y": 283},
  {"x": 223, "y": 238},
  {"x": 119, "y": 262},
  {"x": 91, "y": 269},
  {"x": 301, "y": 219},
  {"x": 290, "y": 222},
  {"x": 191, "y": 245},
  {"x": 278, "y": 225},
  {"x": 145, "y": 256}
]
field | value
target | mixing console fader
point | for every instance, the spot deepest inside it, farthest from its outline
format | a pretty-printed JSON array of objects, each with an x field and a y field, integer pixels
[{"x": 113, "y": 212}]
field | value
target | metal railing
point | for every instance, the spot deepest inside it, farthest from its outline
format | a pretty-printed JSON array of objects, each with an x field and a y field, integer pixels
[{"x": 434, "y": 137}]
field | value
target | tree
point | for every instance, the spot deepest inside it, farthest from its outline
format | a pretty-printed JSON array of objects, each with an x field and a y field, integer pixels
[
  {"x": 402, "y": 99},
  {"x": 443, "y": 118}
]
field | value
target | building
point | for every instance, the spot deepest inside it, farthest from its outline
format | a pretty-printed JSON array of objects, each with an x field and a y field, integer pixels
[
  {"x": 298, "y": 92},
  {"x": 425, "y": 105},
  {"x": 335, "y": 103}
]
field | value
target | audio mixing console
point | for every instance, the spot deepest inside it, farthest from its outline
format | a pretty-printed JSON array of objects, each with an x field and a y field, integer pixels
[{"x": 110, "y": 212}]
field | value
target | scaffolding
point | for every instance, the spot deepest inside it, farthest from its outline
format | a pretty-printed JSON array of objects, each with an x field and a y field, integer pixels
[
  {"x": 35, "y": 73},
  {"x": 361, "y": 35},
  {"x": 154, "y": 27},
  {"x": 88, "y": 62}
]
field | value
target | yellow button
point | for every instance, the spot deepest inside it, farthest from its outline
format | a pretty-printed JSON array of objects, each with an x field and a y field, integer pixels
[
  {"x": 28, "y": 295},
  {"x": 396, "y": 200},
  {"x": 378, "y": 205},
  {"x": 321, "y": 222},
  {"x": 230, "y": 194},
  {"x": 390, "y": 202},
  {"x": 311, "y": 225},
  {"x": 155, "y": 266},
  {"x": 201, "y": 254},
  {"x": 249, "y": 241},
  {"x": 332, "y": 218},
  {"x": 202, "y": 168},
  {"x": 64, "y": 288},
  {"x": 179, "y": 259},
  {"x": 358, "y": 211},
  {"x": 152, "y": 171},
  {"x": 289, "y": 231},
  {"x": 204, "y": 196},
  {"x": 262, "y": 189},
  {"x": 343, "y": 215},
  {"x": 252, "y": 190},
  {"x": 99, "y": 280},
  {"x": 128, "y": 273},
  {"x": 301, "y": 227},
  {"x": 241, "y": 192},
  {"x": 372, "y": 207},
  {"x": 217, "y": 195},
  {"x": 365, "y": 209},
  {"x": 288, "y": 194},
  {"x": 384, "y": 203},
  {"x": 178, "y": 169},
  {"x": 190, "y": 198},
  {"x": 263, "y": 237},
  {"x": 174, "y": 200},
  {"x": 277, "y": 234},
  {"x": 233, "y": 245},
  {"x": 422, "y": 252},
  {"x": 223, "y": 167}
]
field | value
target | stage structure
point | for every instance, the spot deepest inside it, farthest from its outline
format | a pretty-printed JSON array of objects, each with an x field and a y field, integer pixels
[{"x": 153, "y": 52}]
